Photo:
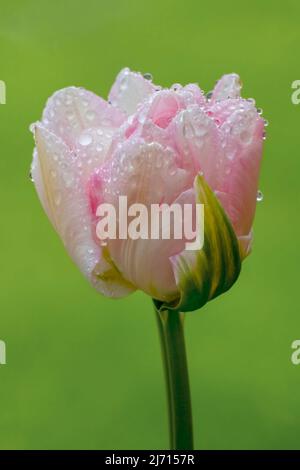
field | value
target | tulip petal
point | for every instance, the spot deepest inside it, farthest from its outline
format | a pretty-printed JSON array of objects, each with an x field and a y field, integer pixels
[
  {"x": 71, "y": 111},
  {"x": 198, "y": 142},
  {"x": 129, "y": 90},
  {"x": 146, "y": 174},
  {"x": 204, "y": 274},
  {"x": 58, "y": 182},
  {"x": 239, "y": 170},
  {"x": 229, "y": 86}
]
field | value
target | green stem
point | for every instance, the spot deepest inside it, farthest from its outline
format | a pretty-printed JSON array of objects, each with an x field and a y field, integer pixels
[{"x": 170, "y": 325}]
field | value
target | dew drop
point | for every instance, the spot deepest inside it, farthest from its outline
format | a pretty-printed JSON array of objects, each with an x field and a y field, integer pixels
[
  {"x": 209, "y": 95},
  {"x": 259, "y": 196},
  {"x": 148, "y": 76},
  {"x": 90, "y": 115},
  {"x": 176, "y": 86},
  {"x": 57, "y": 199},
  {"x": 266, "y": 122},
  {"x": 31, "y": 177},
  {"x": 85, "y": 139},
  {"x": 123, "y": 84},
  {"x": 70, "y": 115}
]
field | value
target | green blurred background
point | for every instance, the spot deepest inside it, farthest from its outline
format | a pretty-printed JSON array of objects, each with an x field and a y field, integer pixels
[{"x": 84, "y": 371}]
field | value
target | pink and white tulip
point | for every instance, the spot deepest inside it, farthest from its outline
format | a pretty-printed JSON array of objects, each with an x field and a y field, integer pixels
[{"x": 153, "y": 145}]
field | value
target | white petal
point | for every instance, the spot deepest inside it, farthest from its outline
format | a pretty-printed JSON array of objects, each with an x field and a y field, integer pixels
[{"x": 129, "y": 90}]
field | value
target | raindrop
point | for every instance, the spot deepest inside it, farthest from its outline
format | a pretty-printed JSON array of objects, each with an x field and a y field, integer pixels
[
  {"x": 31, "y": 177},
  {"x": 85, "y": 139},
  {"x": 176, "y": 86},
  {"x": 70, "y": 115},
  {"x": 259, "y": 110},
  {"x": 57, "y": 199},
  {"x": 266, "y": 122},
  {"x": 123, "y": 84},
  {"x": 90, "y": 115},
  {"x": 148, "y": 76},
  {"x": 259, "y": 196},
  {"x": 209, "y": 95}
]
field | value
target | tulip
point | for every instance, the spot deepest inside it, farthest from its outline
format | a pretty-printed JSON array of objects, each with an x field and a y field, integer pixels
[{"x": 154, "y": 146}]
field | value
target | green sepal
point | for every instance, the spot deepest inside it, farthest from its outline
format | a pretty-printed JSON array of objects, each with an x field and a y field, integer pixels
[{"x": 204, "y": 274}]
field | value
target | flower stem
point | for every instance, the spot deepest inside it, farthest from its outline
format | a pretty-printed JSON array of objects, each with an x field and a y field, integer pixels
[{"x": 170, "y": 325}]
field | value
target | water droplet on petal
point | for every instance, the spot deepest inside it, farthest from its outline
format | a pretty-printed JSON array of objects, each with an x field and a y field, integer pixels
[
  {"x": 209, "y": 95},
  {"x": 266, "y": 122},
  {"x": 90, "y": 115},
  {"x": 85, "y": 139},
  {"x": 259, "y": 111},
  {"x": 32, "y": 128},
  {"x": 176, "y": 86},
  {"x": 57, "y": 199},
  {"x": 70, "y": 115},
  {"x": 31, "y": 177},
  {"x": 259, "y": 196},
  {"x": 148, "y": 76}
]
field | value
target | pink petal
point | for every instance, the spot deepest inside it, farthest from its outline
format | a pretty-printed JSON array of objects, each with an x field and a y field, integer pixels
[
  {"x": 62, "y": 193},
  {"x": 129, "y": 90},
  {"x": 242, "y": 143},
  {"x": 229, "y": 86},
  {"x": 147, "y": 174},
  {"x": 71, "y": 111},
  {"x": 198, "y": 143}
]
